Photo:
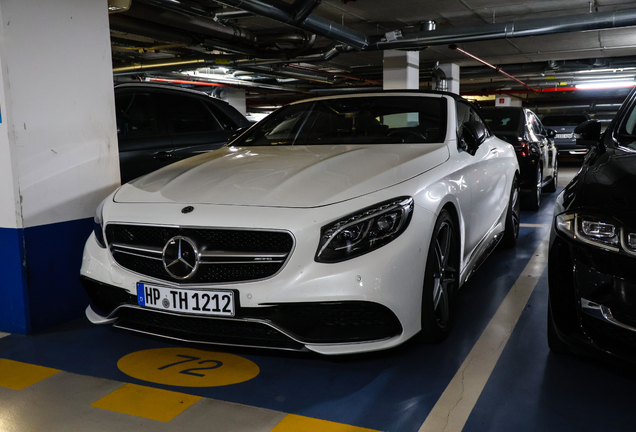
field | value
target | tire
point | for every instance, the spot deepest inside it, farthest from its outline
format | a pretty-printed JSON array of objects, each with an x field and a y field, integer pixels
[
  {"x": 534, "y": 198},
  {"x": 441, "y": 279},
  {"x": 552, "y": 186},
  {"x": 513, "y": 217},
  {"x": 555, "y": 344}
]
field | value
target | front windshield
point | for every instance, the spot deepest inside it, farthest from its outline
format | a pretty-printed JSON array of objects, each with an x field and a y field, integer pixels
[{"x": 354, "y": 120}]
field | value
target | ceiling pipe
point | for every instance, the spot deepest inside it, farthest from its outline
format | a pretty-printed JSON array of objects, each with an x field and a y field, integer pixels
[
  {"x": 226, "y": 61},
  {"x": 282, "y": 73},
  {"x": 334, "y": 74},
  {"x": 304, "y": 8},
  {"x": 157, "y": 32},
  {"x": 283, "y": 12},
  {"x": 496, "y": 68},
  {"x": 163, "y": 64},
  {"x": 193, "y": 23},
  {"x": 511, "y": 29},
  {"x": 180, "y": 6},
  {"x": 128, "y": 25},
  {"x": 233, "y": 14},
  {"x": 311, "y": 58}
]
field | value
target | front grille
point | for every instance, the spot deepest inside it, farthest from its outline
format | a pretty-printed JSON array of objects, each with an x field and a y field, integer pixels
[
  {"x": 225, "y": 255},
  {"x": 299, "y": 323},
  {"x": 205, "y": 330},
  {"x": 351, "y": 321}
]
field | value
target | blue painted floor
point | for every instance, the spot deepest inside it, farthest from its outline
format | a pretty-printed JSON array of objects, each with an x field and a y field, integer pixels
[{"x": 529, "y": 390}]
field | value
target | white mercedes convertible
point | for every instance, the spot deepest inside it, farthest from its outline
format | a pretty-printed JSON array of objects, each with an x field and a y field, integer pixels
[{"x": 338, "y": 225}]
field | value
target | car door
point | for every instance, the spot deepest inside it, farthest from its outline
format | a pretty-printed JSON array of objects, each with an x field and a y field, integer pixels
[
  {"x": 485, "y": 174},
  {"x": 545, "y": 146},
  {"x": 192, "y": 126},
  {"x": 141, "y": 132}
]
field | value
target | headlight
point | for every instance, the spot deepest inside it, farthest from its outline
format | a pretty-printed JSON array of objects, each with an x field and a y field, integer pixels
[
  {"x": 98, "y": 225},
  {"x": 364, "y": 231},
  {"x": 601, "y": 232}
]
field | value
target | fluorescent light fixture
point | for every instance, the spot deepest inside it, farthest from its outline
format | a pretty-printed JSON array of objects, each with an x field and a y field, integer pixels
[
  {"x": 614, "y": 70},
  {"x": 599, "y": 85}
]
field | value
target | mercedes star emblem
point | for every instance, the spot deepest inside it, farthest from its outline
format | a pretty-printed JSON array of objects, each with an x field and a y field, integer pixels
[{"x": 180, "y": 257}]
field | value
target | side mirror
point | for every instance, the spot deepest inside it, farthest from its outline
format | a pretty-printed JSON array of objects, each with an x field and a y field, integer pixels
[
  {"x": 551, "y": 133},
  {"x": 473, "y": 134},
  {"x": 588, "y": 133}
]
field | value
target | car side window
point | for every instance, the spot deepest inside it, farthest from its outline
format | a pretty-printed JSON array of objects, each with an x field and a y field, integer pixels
[
  {"x": 188, "y": 114},
  {"x": 466, "y": 113},
  {"x": 226, "y": 122},
  {"x": 537, "y": 126},
  {"x": 136, "y": 115}
]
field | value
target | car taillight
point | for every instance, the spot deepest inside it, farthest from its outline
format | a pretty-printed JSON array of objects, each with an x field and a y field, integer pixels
[{"x": 522, "y": 147}]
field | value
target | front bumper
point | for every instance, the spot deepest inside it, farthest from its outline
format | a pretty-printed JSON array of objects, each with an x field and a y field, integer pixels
[
  {"x": 570, "y": 148},
  {"x": 368, "y": 303},
  {"x": 284, "y": 326},
  {"x": 593, "y": 299}
]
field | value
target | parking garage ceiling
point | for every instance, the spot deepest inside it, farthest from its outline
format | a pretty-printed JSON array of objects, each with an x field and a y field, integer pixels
[{"x": 285, "y": 50}]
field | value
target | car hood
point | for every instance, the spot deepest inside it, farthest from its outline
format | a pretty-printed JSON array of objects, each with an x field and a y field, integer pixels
[
  {"x": 290, "y": 176},
  {"x": 609, "y": 184}
]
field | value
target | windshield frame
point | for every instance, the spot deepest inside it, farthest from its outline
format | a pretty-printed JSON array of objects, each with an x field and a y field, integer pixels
[{"x": 426, "y": 123}]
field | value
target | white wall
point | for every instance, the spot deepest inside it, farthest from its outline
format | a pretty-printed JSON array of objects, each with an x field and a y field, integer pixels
[{"x": 58, "y": 142}]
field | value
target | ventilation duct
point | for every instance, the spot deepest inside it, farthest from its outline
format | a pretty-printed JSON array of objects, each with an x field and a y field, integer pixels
[{"x": 532, "y": 27}]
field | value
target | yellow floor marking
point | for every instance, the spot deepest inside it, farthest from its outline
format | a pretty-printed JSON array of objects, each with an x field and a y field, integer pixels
[
  {"x": 3, "y": 334},
  {"x": 17, "y": 375},
  {"x": 188, "y": 367},
  {"x": 527, "y": 225},
  {"x": 451, "y": 411},
  {"x": 147, "y": 402},
  {"x": 296, "y": 423}
]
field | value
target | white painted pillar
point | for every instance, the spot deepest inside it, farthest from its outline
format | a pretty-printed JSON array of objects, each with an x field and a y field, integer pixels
[
  {"x": 451, "y": 71},
  {"x": 58, "y": 153},
  {"x": 236, "y": 98},
  {"x": 401, "y": 70}
]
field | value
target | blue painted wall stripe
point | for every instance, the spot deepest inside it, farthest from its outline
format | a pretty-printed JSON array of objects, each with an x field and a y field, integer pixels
[
  {"x": 54, "y": 257},
  {"x": 45, "y": 292},
  {"x": 14, "y": 301}
]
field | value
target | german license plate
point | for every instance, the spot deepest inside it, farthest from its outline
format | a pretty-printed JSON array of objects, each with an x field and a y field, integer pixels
[
  {"x": 196, "y": 301},
  {"x": 564, "y": 135}
]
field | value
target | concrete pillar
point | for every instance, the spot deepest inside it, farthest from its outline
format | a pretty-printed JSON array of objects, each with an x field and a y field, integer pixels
[
  {"x": 236, "y": 98},
  {"x": 451, "y": 82},
  {"x": 401, "y": 70},
  {"x": 58, "y": 153}
]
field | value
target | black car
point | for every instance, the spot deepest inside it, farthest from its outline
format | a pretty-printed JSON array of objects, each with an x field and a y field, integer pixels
[
  {"x": 592, "y": 258},
  {"x": 160, "y": 124},
  {"x": 533, "y": 145},
  {"x": 563, "y": 125}
]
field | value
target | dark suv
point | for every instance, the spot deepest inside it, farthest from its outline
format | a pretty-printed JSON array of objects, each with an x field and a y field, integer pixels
[
  {"x": 563, "y": 125},
  {"x": 159, "y": 124},
  {"x": 533, "y": 145}
]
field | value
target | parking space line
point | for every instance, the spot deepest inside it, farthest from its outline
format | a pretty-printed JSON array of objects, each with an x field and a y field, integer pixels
[
  {"x": 527, "y": 225},
  {"x": 296, "y": 423},
  {"x": 3, "y": 334},
  {"x": 18, "y": 376},
  {"x": 147, "y": 402},
  {"x": 453, "y": 408}
]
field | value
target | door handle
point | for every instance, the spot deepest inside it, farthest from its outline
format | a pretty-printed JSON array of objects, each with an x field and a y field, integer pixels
[{"x": 163, "y": 155}]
